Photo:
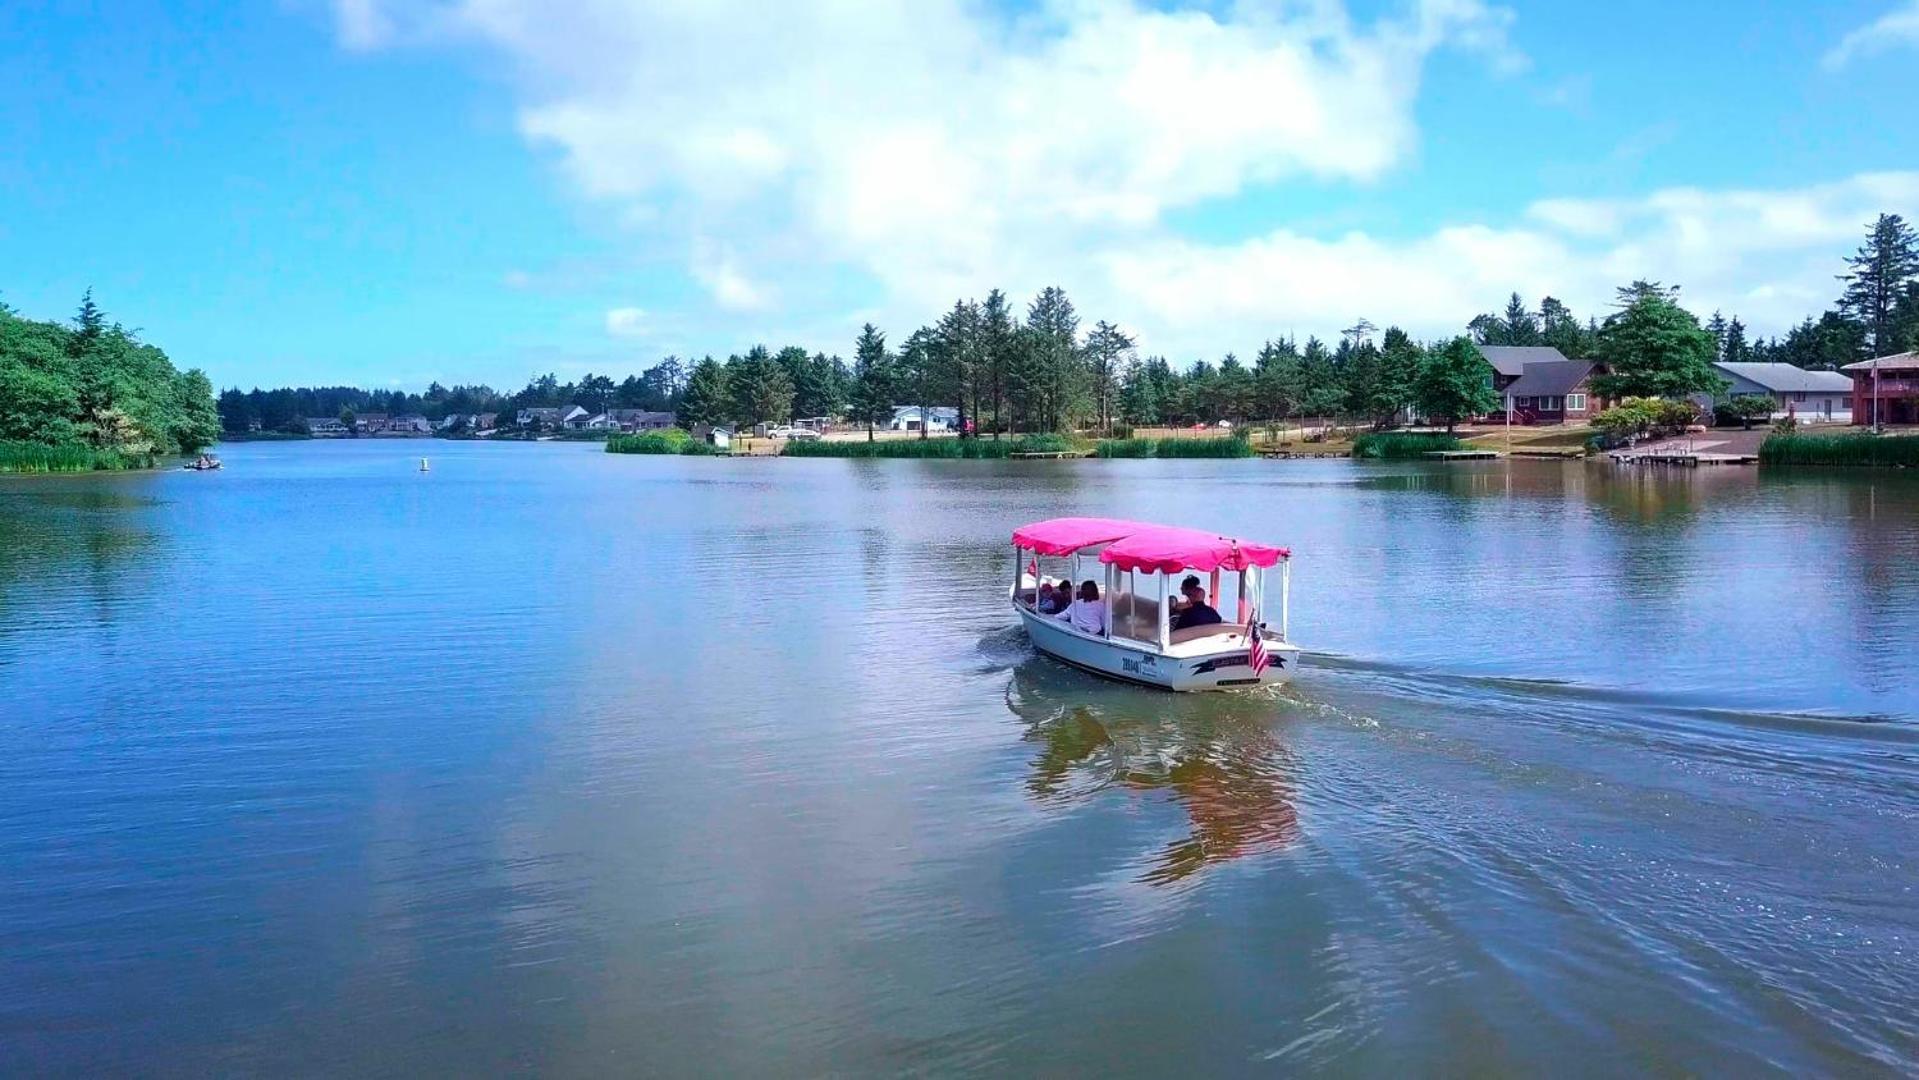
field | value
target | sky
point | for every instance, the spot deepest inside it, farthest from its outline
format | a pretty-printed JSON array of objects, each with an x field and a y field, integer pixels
[{"x": 392, "y": 192}]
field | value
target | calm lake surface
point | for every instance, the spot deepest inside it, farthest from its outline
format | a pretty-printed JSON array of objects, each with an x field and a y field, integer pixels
[{"x": 556, "y": 760}]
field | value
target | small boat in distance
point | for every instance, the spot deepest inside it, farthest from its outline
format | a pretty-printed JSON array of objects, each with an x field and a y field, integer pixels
[
  {"x": 203, "y": 463},
  {"x": 1137, "y": 568}
]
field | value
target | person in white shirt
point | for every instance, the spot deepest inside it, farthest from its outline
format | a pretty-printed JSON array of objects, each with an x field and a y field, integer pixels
[{"x": 1088, "y": 613}]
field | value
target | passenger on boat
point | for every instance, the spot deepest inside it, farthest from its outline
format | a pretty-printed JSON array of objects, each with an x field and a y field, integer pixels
[
  {"x": 1088, "y": 613},
  {"x": 1052, "y": 601},
  {"x": 1194, "y": 610}
]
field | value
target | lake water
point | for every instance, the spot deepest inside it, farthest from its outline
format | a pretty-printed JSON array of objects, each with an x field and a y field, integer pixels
[{"x": 555, "y": 760}]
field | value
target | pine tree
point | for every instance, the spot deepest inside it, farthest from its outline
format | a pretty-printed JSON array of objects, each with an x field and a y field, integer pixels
[
  {"x": 705, "y": 398},
  {"x": 1054, "y": 355},
  {"x": 1716, "y": 326},
  {"x": 1108, "y": 350},
  {"x": 1521, "y": 328},
  {"x": 1733, "y": 348},
  {"x": 996, "y": 353},
  {"x": 871, "y": 400},
  {"x": 1879, "y": 274}
]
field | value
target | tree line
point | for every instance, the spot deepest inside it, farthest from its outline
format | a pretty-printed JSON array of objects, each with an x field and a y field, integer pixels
[
  {"x": 1008, "y": 371},
  {"x": 95, "y": 384}
]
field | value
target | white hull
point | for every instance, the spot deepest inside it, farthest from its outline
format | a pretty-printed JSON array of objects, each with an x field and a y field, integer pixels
[{"x": 1184, "y": 669}]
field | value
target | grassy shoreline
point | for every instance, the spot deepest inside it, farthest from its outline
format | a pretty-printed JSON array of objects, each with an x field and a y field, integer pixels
[
  {"x": 1883, "y": 451},
  {"x": 28, "y": 457}
]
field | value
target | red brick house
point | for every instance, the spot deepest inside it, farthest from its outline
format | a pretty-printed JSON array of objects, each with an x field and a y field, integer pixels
[{"x": 1552, "y": 392}]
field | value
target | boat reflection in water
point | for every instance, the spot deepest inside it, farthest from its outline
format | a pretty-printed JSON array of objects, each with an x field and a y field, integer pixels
[{"x": 1216, "y": 756}]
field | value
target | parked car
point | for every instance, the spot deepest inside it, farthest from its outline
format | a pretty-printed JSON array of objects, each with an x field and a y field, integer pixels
[{"x": 799, "y": 433}]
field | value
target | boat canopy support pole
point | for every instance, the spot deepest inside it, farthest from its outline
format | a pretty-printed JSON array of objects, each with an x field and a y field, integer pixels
[
  {"x": 1285, "y": 599},
  {"x": 1107, "y": 598},
  {"x": 1165, "y": 618}
]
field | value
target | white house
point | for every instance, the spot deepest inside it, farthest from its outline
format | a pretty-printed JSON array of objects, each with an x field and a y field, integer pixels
[
  {"x": 935, "y": 417},
  {"x": 325, "y": 427},
  {"x": 1807, "y": 395}
]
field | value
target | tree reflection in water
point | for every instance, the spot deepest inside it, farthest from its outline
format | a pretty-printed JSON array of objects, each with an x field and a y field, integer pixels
[{"x": 1215, "y": 755}]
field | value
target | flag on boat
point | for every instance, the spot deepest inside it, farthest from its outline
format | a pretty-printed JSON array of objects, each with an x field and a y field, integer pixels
[{"x": 1255, "y": 646}]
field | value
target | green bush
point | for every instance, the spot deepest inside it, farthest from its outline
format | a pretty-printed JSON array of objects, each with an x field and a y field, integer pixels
[
  {"x": 1126, "y": 448},
  {"x": 1403, "y": 444},
  {"x": 663, "y": 441},
  {"x": 33, "y": 457},
  {"x": 1236, "y": 446},
  {"x": 958, "y": 449},
  {"x": 1859, "y": 449}
]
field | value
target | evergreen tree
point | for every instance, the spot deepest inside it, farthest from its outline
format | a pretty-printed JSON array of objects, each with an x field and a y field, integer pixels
[
  {"x": 996, "y": 353},
  {"x": 705, "y": 399},
  {"x": 1320, "y": 392},
  {"x": 1716, "y": 326},
  {"x": 1733, "y": 348},
  {"x": 871, "y": 401},
  {"x": 917, "y": 373},
  {"x": 1277, "y": 379},
  {"x": 1559, "y": 329},
  {"x": 1108, "y": 350},
  {"x": 1521, "y": 328},
  {"x": 1054, "y": 357},
  {"x": 1886, "y": 263},
  {"x": 757, "y": 388}
]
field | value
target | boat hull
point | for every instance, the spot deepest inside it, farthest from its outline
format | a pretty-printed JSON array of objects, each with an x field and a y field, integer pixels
[{"x": 1220, "y": 670}]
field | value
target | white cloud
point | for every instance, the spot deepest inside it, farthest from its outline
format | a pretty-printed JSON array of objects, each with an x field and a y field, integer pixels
[
  {"x": 1895, "y": 29},
  {"x": 362, "y": 24},
  {"x": 626, "y": 322},
  {"x": 935, "y": 150}
]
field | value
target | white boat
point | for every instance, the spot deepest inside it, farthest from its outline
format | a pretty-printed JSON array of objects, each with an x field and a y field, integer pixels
[{"x": 1137, "y": 568}]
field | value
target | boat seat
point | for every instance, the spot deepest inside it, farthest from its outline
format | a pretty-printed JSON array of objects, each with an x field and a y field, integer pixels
[{"x": 1194, "y": 633}]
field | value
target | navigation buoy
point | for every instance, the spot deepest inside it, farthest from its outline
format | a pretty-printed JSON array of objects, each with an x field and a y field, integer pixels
[{"x": 423, "y": 465}]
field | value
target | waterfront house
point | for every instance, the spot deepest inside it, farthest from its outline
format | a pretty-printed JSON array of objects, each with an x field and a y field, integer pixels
[
  {"x": 372, "y": 423},
  {"x": 485, "y": 421},
  {"x": 1885, "y": 390},
  {"x": 638, "y": 419},
  {"x": 325, "y": 427},
  {"x": 1808, "y": 395},
  {"x": 553, "y": 419},
  {"x": 410, "y": 424},
  {"x": 934, "y": 417},
  {"x": 448, "y": 422},
  {"x": 1552, "y": 392},
  {"x": 1509, "y": 362}
]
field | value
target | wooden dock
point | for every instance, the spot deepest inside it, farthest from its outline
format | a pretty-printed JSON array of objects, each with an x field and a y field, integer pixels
[
  {"x": 1048, "y": 455},
  {"x": 1462, "y": 455},
  {"x": 1685, "y": 459}
]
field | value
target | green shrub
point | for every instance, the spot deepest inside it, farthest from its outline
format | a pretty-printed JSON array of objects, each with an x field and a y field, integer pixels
[
  {"x": 663, "y": 441},
  {"x": 1126, "y": 448},
  {"x": 1403, "y": 444},
  {"x": 1121, "y": 431},
  {"x": 957, "y": 449},
  {"x": 1236, "y": 446},
  {"x": 1859, "y": 449},
  {"x": 33, "y": 457}
]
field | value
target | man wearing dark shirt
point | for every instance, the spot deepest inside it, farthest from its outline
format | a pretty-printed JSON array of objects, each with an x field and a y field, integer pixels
[{"x": 1195, "y": 611}]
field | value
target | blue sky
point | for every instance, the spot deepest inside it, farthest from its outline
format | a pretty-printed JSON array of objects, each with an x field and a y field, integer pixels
[{"x": 389, "y": 193}]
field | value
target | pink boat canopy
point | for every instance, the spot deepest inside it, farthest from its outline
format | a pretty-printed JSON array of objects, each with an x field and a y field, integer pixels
[{"x": 1139, "y": 545}]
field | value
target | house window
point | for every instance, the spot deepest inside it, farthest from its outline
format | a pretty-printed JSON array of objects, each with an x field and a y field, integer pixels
[{"x": 1575, "y": 402}]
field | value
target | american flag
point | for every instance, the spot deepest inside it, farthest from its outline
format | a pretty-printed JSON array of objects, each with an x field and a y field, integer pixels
[{"x": 1255, "y": 646}]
